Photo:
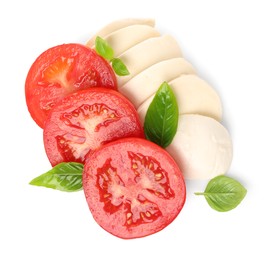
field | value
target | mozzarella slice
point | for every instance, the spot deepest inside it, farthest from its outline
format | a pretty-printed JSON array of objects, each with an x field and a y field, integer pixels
[
  {"x": 127, "y": 37},
  {"x": 202, "y": 147},
  {"x": 146, "y": 54},
  {"x": 116, "y": 25},
  {"x": 194, "y": 96},
  {"x": 144, "y": 84}
]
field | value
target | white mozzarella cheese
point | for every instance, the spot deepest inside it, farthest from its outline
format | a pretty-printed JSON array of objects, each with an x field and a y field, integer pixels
[
  {"x": 146, "y": 54},
  {"x": 194, "y": 96},
  {"x": 144, "y": 84},
  {"x": 202, "y": 147},
  {"x": 127, "y": 37},
  {"x": 116, "y": 25}
]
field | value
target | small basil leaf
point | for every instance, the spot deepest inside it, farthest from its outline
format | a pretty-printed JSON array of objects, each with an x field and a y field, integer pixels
[
  {"x": 103, "y": 49},
  {"x": 161, "y": 120},
  {"x": 119, "y": 67},
  {"x": 223, "y": 193},
  {"x": 63, "y": 177}
]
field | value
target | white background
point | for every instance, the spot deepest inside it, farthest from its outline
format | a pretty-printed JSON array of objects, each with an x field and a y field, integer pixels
[{"x": 223, "y": 40}]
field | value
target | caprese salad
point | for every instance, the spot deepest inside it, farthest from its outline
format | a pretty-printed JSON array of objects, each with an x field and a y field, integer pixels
[{"x": 127, "y": 119}]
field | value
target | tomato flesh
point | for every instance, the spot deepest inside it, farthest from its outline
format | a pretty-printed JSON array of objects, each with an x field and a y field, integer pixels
[
  {"x": 133, "y": 187},
  {"x": 61, "y": 70},
  {"x": 83, "y": 121}
]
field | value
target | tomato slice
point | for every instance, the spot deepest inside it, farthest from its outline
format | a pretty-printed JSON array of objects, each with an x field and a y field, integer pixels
[
  {"x": 133, "y": 187},
  {"x": 61, "y": 70},
  {"x": 84, "y": 120}
]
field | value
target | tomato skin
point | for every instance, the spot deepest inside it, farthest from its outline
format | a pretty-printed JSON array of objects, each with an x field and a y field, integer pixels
[
  {"x": 84, "y": 120},
  {"x": 133, "y": 187},
  {"x": 61, "y": 70}
]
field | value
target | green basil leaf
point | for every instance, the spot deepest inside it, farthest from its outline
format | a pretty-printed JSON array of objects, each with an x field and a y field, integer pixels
[
  {"x": 223, "y": 193},
  {"x": 63, "y": 177},
  {"x": 104, "y": 49},
  {"x": 161, "y": 120},
  {"x": 119, "y": 67}
]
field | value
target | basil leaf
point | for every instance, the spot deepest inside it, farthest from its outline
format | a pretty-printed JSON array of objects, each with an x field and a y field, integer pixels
[
  {"x": 119, "y": 67},
  {"x": 63, "y": 177},
  {"x": 161, "y": 120},
  {"x": 103, "y": 48},
  {"x": 223, "y": 193}
]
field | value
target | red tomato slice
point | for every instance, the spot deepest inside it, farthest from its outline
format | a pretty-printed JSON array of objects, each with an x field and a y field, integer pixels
[
  {"x": 84, "y": 120},
  {"x": 133, "y": 187},
  {"x": 61, "y": 70}
]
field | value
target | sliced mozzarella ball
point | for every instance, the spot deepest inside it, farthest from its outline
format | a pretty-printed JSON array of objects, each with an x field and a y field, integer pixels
[
  {"x": 194, "y": 96},
  {"x": 202, "y": 147},
  {"x": 127, "y": 37},
  {"x": 116, "y": 25},
  {"x": 146, "y": 54},
  {"x": 144, "y": 84}
]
